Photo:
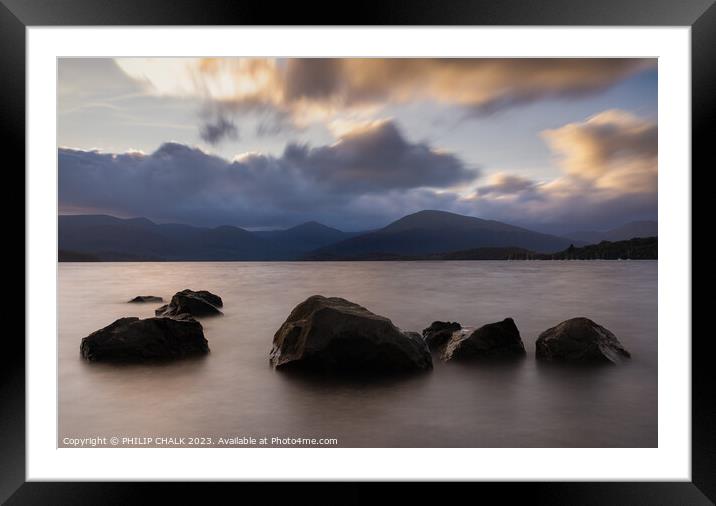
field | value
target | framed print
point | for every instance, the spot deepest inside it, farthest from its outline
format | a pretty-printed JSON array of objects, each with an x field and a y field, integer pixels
[{"x": 412, "y": 245}]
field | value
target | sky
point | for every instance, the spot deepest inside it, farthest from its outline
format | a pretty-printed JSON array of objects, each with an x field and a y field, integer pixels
[{"x": 556, "y": 145}]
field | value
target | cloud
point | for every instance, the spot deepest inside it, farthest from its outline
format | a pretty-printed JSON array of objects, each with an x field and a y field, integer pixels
[
  {"x": 215, "y": 132},
  {"x": 307, "y": 89},
  {"x": 611, "y": 150},
  {"x": 93, "y": 77},
  {"x": 377, "y": 157},
  {"x": 371, "y": 175},
  {"x": 610, "y": 175},
  {"x": 502, "y": 184},
  {"x": 482, "y": 84},
  {"x": 329, "y": 183}
]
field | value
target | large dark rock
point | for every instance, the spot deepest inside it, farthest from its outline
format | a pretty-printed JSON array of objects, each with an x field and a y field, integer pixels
[
  {"x": 439, "y": 333},
  {"x": 201, "y": 303},
  {"x": 580, "y": 340},
  {"x": 209, "y": 297},
  {"x": 132, "y": 339},
  {"x": 146, "y": 298},
  {"x": 494, "y": 340},
  {"x": 333, "y": 334}
]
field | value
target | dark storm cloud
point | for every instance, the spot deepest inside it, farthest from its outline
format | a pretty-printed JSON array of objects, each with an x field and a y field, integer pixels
[
  {"x": 371, "y": 176},
  {"x": 180, "y": 183},
  {"x": 218, "y": 130},
  {"x": 378, "y": 158}
]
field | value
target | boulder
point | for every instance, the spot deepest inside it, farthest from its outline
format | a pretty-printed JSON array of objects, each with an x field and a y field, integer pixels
[
  {"x": 336, "y": 335},
  {"x": 146, "y": 298},
  {"x": 132, "y": 339},
  {"x": 439, "y": 333},
  {"x": 201, "y": 303},
  {"x": 580, "y": 340},
  {"x": 494, "y": 340},
  {"x": 209, "y": 297},
  {"x": 411, "y": 335}
]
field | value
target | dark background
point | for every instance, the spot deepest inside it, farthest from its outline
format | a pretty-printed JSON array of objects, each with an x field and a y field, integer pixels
[{"x": 15, "y": 15}]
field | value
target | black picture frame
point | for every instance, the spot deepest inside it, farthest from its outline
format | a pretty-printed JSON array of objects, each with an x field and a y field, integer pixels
[{"x": 700, "y": 15}]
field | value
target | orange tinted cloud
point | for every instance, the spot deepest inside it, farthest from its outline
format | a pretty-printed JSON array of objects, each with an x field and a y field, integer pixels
[
  {"x": 609, "y": 169},
  {"x": 484, "y": 84},
  {"x": 322, "y": 87},
  {"x": 612, "y": 150}
]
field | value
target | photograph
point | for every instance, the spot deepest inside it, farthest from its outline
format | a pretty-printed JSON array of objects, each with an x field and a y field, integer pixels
[
  {"x": 377, "y": 252},
  {"x": 427, "y": 247}
]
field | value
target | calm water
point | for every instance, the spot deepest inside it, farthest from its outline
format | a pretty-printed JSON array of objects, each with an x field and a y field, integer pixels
[{"x": 233, "y": 392}]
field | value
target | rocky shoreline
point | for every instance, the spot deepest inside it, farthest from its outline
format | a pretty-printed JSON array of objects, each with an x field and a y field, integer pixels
[
  {"x": 334, "y": 335},
  {"x": 173, "y": 333}
]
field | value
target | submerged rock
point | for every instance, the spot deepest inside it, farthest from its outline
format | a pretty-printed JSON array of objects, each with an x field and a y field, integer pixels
[
  {"x": 494, "y": 340},
  {"x": 580, "y": 340},
  {"x": 146, "y": 298},
  {"x": 439, "y": 333},
  {"x": 132, "y": 339},
  {"x": 201, "y": 303},
  {"x": 333, "y": 334}
]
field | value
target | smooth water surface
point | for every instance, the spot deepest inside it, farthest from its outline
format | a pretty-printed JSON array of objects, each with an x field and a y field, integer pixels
[{"x": 233, "y": 392}]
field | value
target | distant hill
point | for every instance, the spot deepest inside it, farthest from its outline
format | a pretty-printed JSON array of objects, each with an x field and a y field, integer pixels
[
  {"x": 639, "y": 248},
  {"x": 432, "y": 232},
  {"x": 645, "y": 248},
  {"x": 426, "y": 235},
  {"x": 305, "y": 237},
  {"x": 624, "y": 232},
  {"x": 111, "y": 238},
  {"x": 633, "y": 249},
  {"x": 107, "y": 238}
]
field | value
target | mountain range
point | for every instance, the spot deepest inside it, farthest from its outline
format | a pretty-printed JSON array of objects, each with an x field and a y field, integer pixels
[
  {"x": 107, "y": 238},
  {"x": 622, "y": 233},
  {"x": 429, "y": 232},
  {"x": 296, "y": 241}
]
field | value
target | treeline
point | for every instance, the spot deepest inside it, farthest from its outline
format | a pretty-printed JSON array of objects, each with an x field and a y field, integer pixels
[{"x": 638, "y": 248}]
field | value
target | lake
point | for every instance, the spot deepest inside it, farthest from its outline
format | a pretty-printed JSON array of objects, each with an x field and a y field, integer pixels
[{"x": 233, "y": 392}]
